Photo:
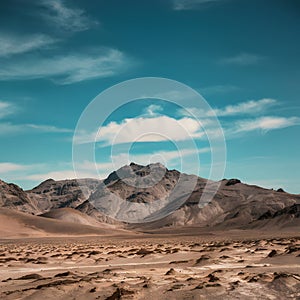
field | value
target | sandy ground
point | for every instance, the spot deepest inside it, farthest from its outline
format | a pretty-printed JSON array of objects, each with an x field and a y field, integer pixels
[{"x": 151, "y": 267}]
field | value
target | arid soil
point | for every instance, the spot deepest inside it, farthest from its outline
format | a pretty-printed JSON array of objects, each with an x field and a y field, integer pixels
[{"x": 157, "y": 266}]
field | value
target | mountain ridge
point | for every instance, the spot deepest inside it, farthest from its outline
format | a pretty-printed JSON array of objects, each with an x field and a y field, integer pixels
[{"x": 110, "y": 201}]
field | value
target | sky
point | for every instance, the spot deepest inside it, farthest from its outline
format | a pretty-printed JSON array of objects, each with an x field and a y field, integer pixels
[{"x": 241, "y": 56}]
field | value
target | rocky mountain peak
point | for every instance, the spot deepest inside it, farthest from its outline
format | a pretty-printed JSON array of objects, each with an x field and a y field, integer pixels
[{"x": 135, "y": 171}]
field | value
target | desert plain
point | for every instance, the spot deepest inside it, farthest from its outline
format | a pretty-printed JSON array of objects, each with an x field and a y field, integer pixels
[{"x": 192, "y": 264}]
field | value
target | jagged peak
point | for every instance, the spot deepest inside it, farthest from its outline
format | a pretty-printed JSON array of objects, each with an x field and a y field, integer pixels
[{"x": 133, "y": 169}]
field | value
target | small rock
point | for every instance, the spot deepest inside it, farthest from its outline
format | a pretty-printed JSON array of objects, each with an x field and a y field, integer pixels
[
  {"x": 212, "y": 278},
  {"x": 171, "y": 272},
  {"x": 117, "y": 295},
  {"x": 64, "y": 274},
  {"x": 272, "y": 253},
  {"x": 232, "y": 182},
  {"x": 30, "y": 276},
  {"x": 202, "y": 258}
]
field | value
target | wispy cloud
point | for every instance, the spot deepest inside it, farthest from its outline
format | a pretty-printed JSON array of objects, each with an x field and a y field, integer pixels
[
  {"x": 64, "y": 17},
  {"x": 7, "y": 167},
  {"x": 145, "y": 129},
  {"x": 193, "y": 4},
  {"x": 11, "y": 44},
  {"x": 10, "y": 128},
  {"x": 14, "y": 172},
  {"x": 234, "y": 128},
  {"x": 249, "y": 107},
  {"x": 243, "y": 108},
  {"x": 58, "y": 175},
  {"x": 242, "y": 59},
  {"x": 6, "y": 109},
  {"x": 6, "y": 128},
  {"x": 218, "y": 89},
  {"x": 66, "y": 69},
  {"x": 265, "y": 124}
]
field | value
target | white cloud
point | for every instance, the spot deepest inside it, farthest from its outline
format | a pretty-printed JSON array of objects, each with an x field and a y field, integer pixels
[
  {"x": 7, "y": 167},
  {"x": 265, "y": 123},
  {"x": 6, "y": 109},
  {"x": 145, "y": 129},
  {"x": 58, "y": 175},
  {"x": 11, "y": 44},
  {"x": 153, "y": 109},
  {"x": 242, "y": 59},
  {"x": 65, "y": 17},
  {"x": 243, "y": 108},
  {"x": 66, "y": 69},
  {"x": 192, "y": 4}
]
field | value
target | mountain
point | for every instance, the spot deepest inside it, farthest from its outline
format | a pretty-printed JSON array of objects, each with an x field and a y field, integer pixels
[
  {"x": 153, "y": 197},
  {"x": 13, "y": 197},
  {"x": 287, "y": 218},
  {"x": 52, "y": 194},
  {"x": 138, "y": 193},
  {"x": 235, "y": 205},
  {"x": 123, "y": 195}
]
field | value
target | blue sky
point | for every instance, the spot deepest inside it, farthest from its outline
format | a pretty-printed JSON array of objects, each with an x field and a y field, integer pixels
[{"x": 242, "y": 56}]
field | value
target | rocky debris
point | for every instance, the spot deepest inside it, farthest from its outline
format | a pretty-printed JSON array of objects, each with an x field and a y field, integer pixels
[{"x": 292, "y": 249}]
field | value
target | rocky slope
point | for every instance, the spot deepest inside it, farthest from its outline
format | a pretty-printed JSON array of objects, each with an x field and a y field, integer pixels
[
  {"x": 141, "y": 193},
  {"x": 233, "y": 206},
  {"x": 13, "y": 197},
  {"x": 52, "y": 194}
]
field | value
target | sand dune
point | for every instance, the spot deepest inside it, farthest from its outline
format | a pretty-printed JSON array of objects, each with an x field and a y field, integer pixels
[
  {"x": 74, "y": 216},
  {"x": 17, "y": 224}
]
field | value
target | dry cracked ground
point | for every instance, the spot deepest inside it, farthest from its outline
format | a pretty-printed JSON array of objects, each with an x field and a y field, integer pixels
[{"x": 150, "y": 268}]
